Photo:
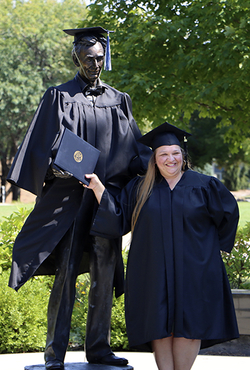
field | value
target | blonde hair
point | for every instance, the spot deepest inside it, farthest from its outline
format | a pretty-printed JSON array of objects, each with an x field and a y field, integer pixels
[
  {"x": 144, "y": 190},
  {"x": 146, "y": 185}
]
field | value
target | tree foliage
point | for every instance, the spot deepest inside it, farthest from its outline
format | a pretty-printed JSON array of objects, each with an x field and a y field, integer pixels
[
  {"x": 176, "y": 57},
  {"x": 35, "y": 55},
  {"x": 206, "y": 145},
  {"x": 207, "y": 141}
]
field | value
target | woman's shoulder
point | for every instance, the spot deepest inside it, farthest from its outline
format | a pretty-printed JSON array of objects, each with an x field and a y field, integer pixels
[{"x": 199, "y": 179}]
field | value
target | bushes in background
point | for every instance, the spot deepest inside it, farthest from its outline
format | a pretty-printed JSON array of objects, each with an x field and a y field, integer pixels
[
  {"x": 238, "y": 261},
  {"x": 23, "y": 314},
  {"x": 23, "y": 318},
  {"x": 118, "y": 340},
  {"x": 8, "y": 231}
]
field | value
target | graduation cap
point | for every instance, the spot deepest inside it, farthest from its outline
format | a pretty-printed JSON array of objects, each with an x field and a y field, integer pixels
[
  {"x": 164, "y": 134},
  {"x": 78, "y": 33}
]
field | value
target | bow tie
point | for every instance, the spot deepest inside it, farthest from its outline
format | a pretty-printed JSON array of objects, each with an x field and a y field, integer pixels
[{"x": 98, "y": 90}]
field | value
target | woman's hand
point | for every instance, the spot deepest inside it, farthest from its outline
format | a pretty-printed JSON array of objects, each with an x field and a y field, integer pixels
[{"x": 95, "y": 185}]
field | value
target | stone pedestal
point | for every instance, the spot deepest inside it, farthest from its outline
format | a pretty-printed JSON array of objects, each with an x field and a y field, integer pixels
[
  {"x": 241, "y": 299},
  {"x": 82, "y": 366}
]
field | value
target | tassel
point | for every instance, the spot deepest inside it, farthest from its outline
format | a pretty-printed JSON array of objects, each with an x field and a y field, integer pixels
[
  {"x": 186, "y": 153},
  {"x": 107, "y": 66}
]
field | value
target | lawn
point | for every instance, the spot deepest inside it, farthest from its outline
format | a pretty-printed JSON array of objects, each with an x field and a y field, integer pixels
[
  {"x": 7, "y": 209},
  {"x": 244, "y": 208}
]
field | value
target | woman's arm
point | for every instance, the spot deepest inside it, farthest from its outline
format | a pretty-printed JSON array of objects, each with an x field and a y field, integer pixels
[
  {"x": 95, "y": 185},
  {"x": 113, "y": 216}
]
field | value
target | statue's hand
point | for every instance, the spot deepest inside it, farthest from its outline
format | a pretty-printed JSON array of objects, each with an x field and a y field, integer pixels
[{"x": 61, "y": 174}]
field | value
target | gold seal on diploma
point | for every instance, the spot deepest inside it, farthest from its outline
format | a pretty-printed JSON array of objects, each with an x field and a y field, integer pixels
[{"x": 78, "y": 156}]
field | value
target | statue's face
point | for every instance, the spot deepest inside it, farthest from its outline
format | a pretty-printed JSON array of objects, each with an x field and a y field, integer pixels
[{"x": 92, "y": 59}]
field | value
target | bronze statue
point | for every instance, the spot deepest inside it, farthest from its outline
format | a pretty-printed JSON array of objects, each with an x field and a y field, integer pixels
[{"x": 55, "y": 238}]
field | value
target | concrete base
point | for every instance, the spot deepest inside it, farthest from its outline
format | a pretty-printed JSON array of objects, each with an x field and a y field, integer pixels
[
  {"x": 241, "y": 299},
  {"x": 82, "y": 366}
]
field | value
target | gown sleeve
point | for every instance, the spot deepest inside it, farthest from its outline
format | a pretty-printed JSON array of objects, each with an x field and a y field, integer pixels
[
  {"x": 113, "y": 217},
  {"x": 224, "y": 211},
  {"x": 31, "y": 162},
  {"x": 139, "y": 163}
]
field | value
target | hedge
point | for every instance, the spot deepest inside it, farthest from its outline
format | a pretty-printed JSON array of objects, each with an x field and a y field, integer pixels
[
  {"x": 23, "y": 318},
  {"x": 23, "y": 314}
]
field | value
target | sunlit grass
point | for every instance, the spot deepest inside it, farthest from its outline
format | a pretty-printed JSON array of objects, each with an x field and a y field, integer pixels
[
  {"x": 244, "y": 208},
  {"x": 7, "y": 209}
]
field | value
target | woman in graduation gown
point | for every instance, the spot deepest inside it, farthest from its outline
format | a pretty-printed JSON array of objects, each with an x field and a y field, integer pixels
[{"x": 177, "y": 297}]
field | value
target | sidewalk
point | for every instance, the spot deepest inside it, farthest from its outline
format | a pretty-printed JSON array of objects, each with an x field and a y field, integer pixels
[{"x": 140, "y": 361}]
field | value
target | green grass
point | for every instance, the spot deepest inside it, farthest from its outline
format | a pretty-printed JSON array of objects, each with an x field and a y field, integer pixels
[
  {"x": 7, "y": 209},
  {"x": 244, "y": 208}
]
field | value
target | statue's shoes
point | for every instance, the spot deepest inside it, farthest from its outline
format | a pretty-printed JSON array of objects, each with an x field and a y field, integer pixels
[
  {"x": 54, "y": 365},
  {"x": 110, "y": 359}
]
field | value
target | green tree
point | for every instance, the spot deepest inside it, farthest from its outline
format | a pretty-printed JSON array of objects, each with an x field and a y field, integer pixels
[
  {"x": 206, "y": 145},
  {"x": 176, "y": 57},
  {"x": 207, "y": 141},
  {"x": 35, "y": 55}
]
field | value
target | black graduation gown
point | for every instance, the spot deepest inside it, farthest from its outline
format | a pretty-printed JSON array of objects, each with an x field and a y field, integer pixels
[
  {"x": 110, "y": 127},
  {"x": 176, "y": 280}
]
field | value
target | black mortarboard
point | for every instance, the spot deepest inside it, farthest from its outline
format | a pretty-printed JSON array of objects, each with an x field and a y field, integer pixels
[
  {"x": 78, "y": 33},
  {"x": 164, "y": 134}
]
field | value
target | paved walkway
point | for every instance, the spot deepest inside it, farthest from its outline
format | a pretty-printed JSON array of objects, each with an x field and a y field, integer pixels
[{"x": 140, "y": 361}]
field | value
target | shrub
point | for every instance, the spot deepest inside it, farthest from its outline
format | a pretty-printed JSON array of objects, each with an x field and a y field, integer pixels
[
  {"x": 119, "y": 340},
  {"x": 238, "y": 262},
  {"x": 79, "y": 318},
  {"x": 9, "y": 230},
  {"x": 23, "y": 318}
]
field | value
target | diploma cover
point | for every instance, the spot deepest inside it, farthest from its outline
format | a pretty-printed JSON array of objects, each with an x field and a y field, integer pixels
[{"x": 76, "y": 156}]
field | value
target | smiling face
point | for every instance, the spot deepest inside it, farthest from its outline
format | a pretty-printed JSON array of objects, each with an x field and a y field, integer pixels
[
  {"x": 92, "y": 59},
  {"x": 169, "y": 160}
]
